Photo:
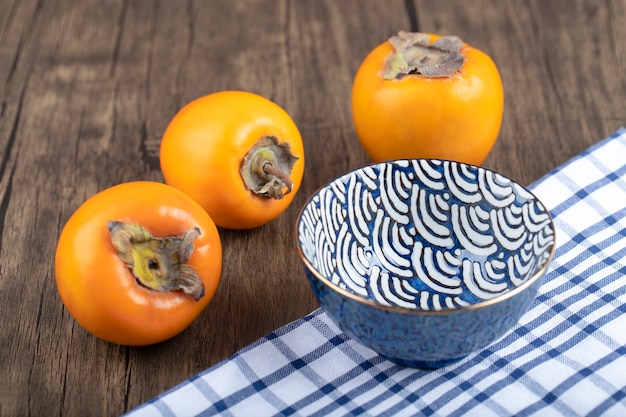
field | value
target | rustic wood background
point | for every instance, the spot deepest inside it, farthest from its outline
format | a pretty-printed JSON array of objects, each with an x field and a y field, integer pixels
[{"x": 88, "y": 87}]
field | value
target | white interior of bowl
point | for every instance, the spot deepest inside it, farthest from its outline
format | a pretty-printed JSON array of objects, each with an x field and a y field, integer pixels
[{"x": 425, "y": 234}]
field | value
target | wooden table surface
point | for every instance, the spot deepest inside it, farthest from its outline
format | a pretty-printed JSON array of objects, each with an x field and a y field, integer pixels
[{"x": 88, "y": 87}]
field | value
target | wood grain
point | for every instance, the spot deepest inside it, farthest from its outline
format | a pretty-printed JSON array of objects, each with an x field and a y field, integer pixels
[{"x": 88, "y": 87}]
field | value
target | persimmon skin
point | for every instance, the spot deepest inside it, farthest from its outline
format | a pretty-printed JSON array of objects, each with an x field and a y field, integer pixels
[
  {"x": 203, "y": 148},
  {"x": 99, "y": 290},
  {"x": 456, "y": 117}
]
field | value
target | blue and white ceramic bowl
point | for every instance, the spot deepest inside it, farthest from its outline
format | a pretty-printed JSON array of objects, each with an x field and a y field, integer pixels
[{"x": 425, "y": 261}]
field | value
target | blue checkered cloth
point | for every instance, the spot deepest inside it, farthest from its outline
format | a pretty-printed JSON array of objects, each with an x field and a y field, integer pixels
[{"x": 566, "y": 357}]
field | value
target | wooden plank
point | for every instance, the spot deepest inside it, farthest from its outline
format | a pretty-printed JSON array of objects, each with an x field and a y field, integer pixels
[{"x": 61, "y": 132}]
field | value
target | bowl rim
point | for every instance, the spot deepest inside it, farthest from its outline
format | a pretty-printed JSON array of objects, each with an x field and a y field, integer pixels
[{"x": 405, "y": 310}]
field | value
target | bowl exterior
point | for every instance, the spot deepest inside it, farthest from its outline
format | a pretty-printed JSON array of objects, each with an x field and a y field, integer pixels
[{"x": 427, "y": 340}]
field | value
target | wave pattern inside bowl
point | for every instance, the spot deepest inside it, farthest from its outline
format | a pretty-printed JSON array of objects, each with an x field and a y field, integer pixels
[{"x": 425, "y": 234}]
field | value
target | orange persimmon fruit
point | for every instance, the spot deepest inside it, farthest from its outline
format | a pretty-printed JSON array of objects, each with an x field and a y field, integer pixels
[
  {"x": 425, "y": 96},
  {"x": 137, "y": 263},
  {"x": 236, "y": 153}
]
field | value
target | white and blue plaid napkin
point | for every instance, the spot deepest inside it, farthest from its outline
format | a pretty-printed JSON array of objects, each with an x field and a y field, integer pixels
[{"x": 566, "y": 357}]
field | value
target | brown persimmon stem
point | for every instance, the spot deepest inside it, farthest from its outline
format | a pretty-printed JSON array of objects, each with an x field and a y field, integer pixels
[
  {"x": 416, "y": 55},
  {"x": 157, "y": 263},
  {"x": 266, "y": 167},
  {"x": 270, "y": 169}
]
